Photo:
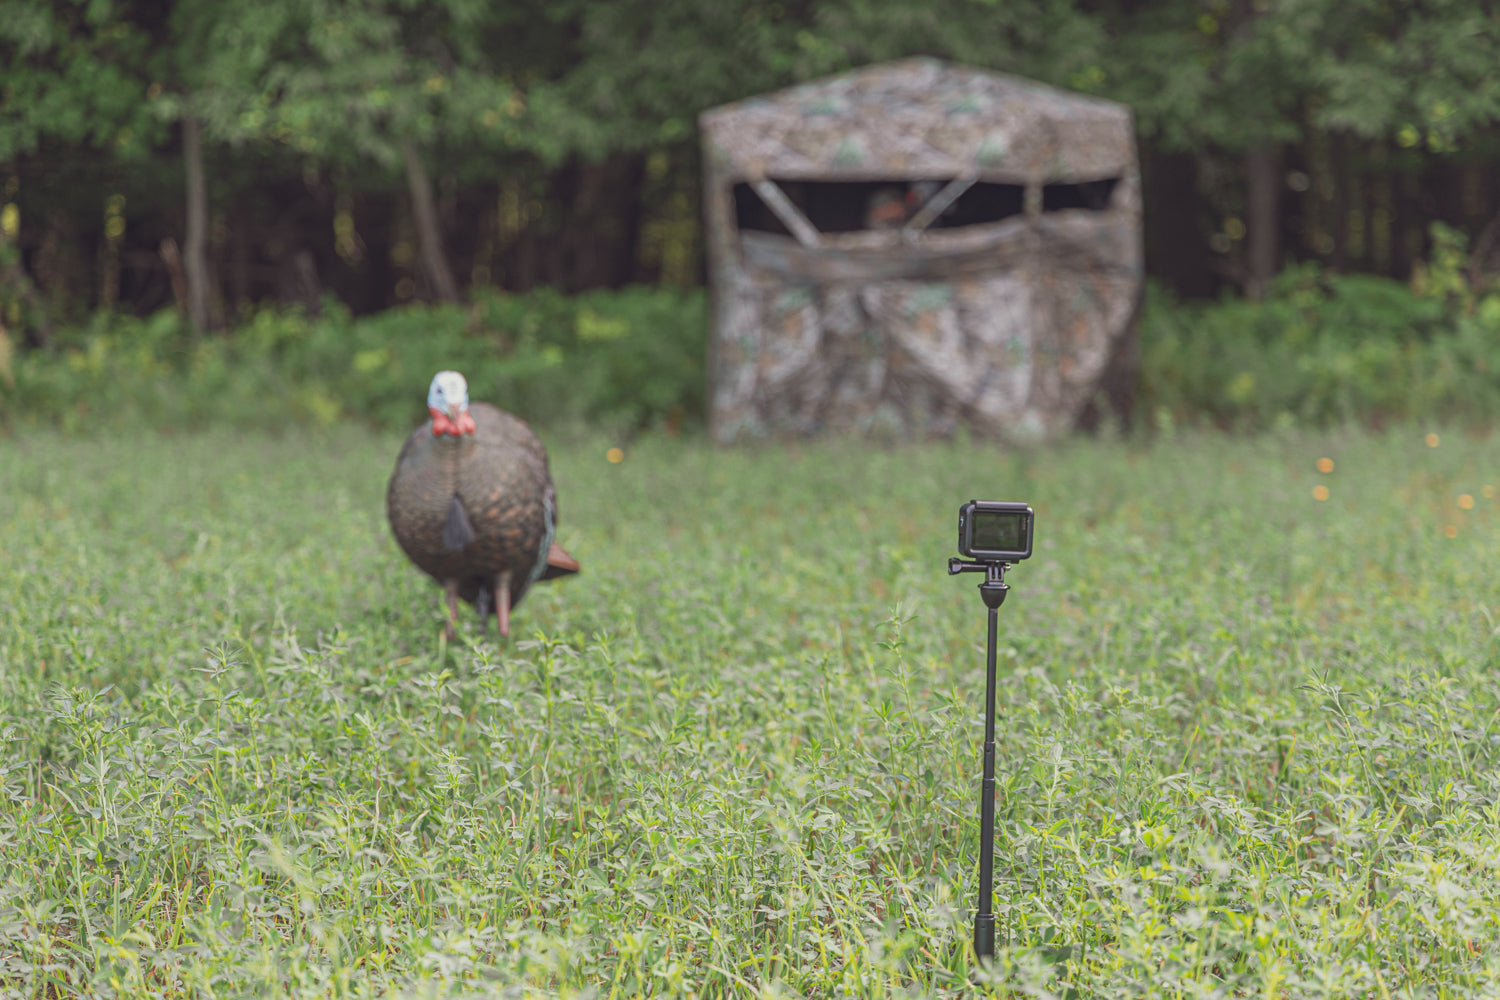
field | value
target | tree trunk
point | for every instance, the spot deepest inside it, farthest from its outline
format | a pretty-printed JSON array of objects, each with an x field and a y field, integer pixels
[
  {"x": 589, "y": 229},
  {"x": 554, "y": 252},
  {"x": 1338, "y": 226},
  {"x": 53, "y": 267},
  {"x": 239, "y": 260},
  {"x": 1484, "y": 248},
  {"x": 13, "y": 275},
  {"x": 1177, "y": 250},
  {"x": 524, "y": 254},
  {"x": 109, "y": 273},
  {"x": 1263, "y": 236},
  {"x": 194, "y": 250},
  {"x": 629, "y": 205},
  {"x": 603, "y": 225},
  {"x": 1381, "y": 188},
  {"x": 378, "y": 214},
  {"x": 434, "y": 260},
  {"x": 171, "y": 256},
  {"x": 483, "y": 208},
  {"x": 1406, "y": 232}
]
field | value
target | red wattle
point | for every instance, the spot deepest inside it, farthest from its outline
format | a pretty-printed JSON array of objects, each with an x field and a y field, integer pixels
[{"x": 443, "y": 424}]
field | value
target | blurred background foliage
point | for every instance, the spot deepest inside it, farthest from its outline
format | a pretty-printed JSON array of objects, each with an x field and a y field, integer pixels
[
  {"x": 625, "y": 360},
  {"x": 204, "y": 206}
]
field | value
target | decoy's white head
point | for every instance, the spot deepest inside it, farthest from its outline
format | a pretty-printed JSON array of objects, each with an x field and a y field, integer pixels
[{"x": 448, "y": 402}]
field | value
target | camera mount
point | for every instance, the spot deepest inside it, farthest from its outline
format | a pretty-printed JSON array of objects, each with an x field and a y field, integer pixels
[
  {"x": 994, "y": 588},
  {"x": 1013, "y": 521}
]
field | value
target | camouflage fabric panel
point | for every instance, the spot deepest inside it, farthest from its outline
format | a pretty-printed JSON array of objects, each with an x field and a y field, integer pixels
[
  {"x": 1082, "y": 313},
  {"x": 1015, "y": 353},
  {"x": 920, "y": 118},
  {"x": 961, "y": 351}
]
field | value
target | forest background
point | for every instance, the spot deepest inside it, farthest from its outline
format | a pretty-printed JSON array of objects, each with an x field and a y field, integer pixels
[{"x": 198, "y": 188}]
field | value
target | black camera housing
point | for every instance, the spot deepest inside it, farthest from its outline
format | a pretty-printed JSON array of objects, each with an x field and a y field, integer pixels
[{"x": 995, "y": 531}]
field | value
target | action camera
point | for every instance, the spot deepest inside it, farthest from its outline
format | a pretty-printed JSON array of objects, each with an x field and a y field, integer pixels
[{"x": 994, "y": 531}]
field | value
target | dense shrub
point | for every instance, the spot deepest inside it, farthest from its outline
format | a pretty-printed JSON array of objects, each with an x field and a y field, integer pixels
[
  {"x": 1327, "y": 348},
  {"x": 632, "y": 358}
]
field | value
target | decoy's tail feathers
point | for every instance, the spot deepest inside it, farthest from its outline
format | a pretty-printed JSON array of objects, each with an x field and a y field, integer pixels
[{"x": 559, "y": 563}]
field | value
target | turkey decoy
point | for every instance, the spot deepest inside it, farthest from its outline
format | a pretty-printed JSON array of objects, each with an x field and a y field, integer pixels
[{"x": 471, "y": 502}]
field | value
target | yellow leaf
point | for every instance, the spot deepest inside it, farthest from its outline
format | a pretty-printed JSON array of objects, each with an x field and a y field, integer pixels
[
  {"x": 591, "y": 326},
  {"x": 372, "y": 360}
]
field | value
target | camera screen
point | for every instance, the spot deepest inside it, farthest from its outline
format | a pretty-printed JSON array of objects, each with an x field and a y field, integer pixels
[{"x": 999, "y": 531}]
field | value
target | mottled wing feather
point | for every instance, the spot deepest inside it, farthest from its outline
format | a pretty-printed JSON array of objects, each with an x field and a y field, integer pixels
[{"x": 457, "y": 530}]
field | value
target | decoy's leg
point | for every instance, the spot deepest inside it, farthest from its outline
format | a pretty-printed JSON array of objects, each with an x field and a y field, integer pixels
[
  {"x": 502, "y": 603},
  {"x": 450, "y": 590},
  {"x": 482, "y": 605}
]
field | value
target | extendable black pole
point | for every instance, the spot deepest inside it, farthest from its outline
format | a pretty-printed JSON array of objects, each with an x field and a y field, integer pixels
[
  {"x": 993, "y": 590},
  {"x": 984, "y": 920}
]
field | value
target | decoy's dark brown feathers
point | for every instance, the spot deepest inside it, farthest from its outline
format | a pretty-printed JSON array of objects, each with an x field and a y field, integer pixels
[{"x": 477, "y": 510}]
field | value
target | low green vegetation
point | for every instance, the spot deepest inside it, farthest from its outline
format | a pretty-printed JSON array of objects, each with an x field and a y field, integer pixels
[
  {"x": 628, "y": 359},
  {"x": 1249, "y": 741},
  {"x": 1326, "y": 349},
  {"x": 1323, "y": 350}
]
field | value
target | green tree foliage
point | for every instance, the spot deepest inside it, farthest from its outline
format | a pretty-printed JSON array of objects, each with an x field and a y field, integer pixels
[
  {"x": 1423, "y": 72},
  {"x": 1229, "y": 73},
  {"x": 1050, "y": 40},
  {"x": 372, "y": 95},
  {"x": 73, "y": 73},
  {"x": 638, "y": 72},
  {"x": 644, "y": 69},
  {"x": 344, "y": 80},
  {"x": 1201, "y": 74}
]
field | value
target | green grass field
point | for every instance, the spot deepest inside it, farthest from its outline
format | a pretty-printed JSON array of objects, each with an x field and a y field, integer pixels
[{"x": 1248, "y": 747}]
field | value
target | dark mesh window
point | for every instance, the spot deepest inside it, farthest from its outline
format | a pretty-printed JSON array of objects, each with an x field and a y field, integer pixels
[
  {"x": 852, "y": 206},
  {"x": 752, "y": 214},
  {"x": 831, "y": 206},
  {"x": 1090, "y": 195},
  {"x": 981, "y": 203}
]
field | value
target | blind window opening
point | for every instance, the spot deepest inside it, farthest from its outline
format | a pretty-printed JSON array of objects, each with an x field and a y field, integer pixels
[
  {"x": 857, "y": 206},
  {"x": 1093, "y": 196}
]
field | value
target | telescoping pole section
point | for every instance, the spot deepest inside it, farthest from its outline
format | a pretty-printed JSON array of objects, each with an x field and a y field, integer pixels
[
  {"x": 984, "y": 920},
  {"x": 993, "y": 590},
  {"x": 993, "y": 534}
]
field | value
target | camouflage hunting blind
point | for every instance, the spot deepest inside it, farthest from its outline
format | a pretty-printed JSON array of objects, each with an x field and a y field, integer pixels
[{"x": 914, "y": 246}]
